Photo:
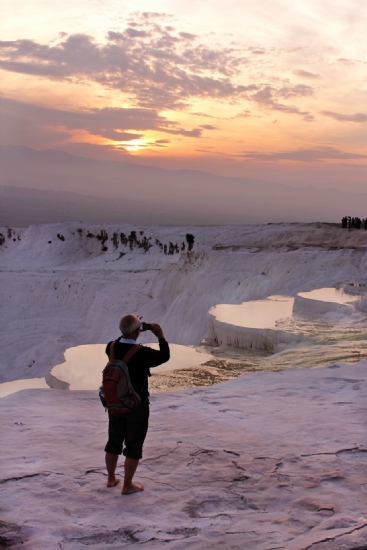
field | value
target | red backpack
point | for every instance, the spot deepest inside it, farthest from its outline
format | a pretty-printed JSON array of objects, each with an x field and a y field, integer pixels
[{"x": 117, "y": 393}]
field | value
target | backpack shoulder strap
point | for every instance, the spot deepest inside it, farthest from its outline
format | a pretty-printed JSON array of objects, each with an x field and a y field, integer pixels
[
  {"x": 131, "y": 352},
  {"x": 112, "y": 351},
  {"x": 128, "y": 355}
]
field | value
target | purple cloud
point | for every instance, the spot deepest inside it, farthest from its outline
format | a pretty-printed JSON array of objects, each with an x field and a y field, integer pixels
[
  {"x": 133, "y": 33},
  {"x": 357, "y": 117},
  {"x": 118, "y": 135},
  {"x": 267, "y": 98},
  {"x": 306, "y": 74},
  {"x": 299, "y": 90},
  {"x": 160, "y": 68},
  {"x": 345, "y": 61},
  {"x": 187, "y": 35},
  {"x": 196, "y": 132},
  {"x": 208, "y": 127},
  {"x": 303, "y": 155},
  {"x": 155, "y": 65},
  {"x": 20, "y": 118}
]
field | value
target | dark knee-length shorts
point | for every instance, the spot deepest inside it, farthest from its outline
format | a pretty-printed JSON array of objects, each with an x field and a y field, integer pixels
[{"x": 131, "y": 429}]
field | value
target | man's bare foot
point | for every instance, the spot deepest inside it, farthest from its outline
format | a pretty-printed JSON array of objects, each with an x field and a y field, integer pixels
[
  {"x": 113, "y": 482},
  {"x": 132, "y": 488}
]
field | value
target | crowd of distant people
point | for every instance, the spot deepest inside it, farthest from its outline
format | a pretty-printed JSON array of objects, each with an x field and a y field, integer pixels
[{"x": 354, "y": 223}]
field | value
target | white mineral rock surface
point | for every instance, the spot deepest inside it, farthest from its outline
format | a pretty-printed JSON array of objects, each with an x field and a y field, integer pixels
[
  {"x": 322, "y": 300},
  {"x": 273, "y": 460},
  {"x": 252, "y": 324}
]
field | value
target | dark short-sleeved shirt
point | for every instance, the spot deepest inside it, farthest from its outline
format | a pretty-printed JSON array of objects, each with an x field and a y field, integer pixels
[{"x": 141, "y": 363}]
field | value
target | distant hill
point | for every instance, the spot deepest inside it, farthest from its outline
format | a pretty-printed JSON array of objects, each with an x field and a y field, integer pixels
[
  {"x": 21, "y": 206},
  {"x": 53, "y": 186}
]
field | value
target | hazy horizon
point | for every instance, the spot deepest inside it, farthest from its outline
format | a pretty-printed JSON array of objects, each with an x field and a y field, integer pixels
[{"x": 82, "y": 189}]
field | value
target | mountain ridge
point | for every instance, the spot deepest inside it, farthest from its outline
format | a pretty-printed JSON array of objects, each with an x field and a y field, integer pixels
[{"x": 155, "y": 195}]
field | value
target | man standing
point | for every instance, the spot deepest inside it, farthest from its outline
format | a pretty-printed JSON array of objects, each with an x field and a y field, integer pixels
[{"x": 131, "y": 428}]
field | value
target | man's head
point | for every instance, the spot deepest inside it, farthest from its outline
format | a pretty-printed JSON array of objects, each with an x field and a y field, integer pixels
[{"x": 130, "y": 326}]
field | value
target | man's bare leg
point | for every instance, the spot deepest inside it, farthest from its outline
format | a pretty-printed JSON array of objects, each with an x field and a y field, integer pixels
[
  {"x": 111, "y": 463},
  {"x": 130, "y": 468}
]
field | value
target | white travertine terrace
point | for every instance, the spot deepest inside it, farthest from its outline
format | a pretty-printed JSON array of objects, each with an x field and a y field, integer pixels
[
  {"x": 322, "y": 300},
  {"x": 251, "y": 324}
]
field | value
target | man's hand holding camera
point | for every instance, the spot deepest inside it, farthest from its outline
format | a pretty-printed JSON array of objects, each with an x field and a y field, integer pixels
[
  {"x": 154, "y": 327},
  {"x": 157, "y": 331}
]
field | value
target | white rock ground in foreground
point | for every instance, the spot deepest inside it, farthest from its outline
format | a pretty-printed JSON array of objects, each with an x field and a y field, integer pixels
[{"x": 265, "y": 461}]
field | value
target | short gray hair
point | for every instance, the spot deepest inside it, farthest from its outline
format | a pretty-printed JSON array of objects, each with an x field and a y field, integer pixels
[{"x": 129, "y": 324}]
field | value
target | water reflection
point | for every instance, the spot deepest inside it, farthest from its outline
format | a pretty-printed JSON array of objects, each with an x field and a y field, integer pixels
[
  {"x": 83, "y": 365},
  {"x": 7, "y": 388},
  {"x": 255, "y": 314},
  {"x": 334, "y": 295}
]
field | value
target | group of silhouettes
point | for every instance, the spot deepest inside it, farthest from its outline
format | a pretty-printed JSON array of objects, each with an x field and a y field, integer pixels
[{"x": 354, "y": 223}]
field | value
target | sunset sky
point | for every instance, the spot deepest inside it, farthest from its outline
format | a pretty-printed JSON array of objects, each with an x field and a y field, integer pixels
[{"x": 274, "y": 90}]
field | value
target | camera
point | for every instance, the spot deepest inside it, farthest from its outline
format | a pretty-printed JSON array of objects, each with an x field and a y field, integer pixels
[{"x": 145, "y": 326}]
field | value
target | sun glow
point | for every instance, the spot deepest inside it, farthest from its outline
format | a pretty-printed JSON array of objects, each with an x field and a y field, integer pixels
[
  {"x": 136, "y": 84},
  {"x": 133, "y": 146}
]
